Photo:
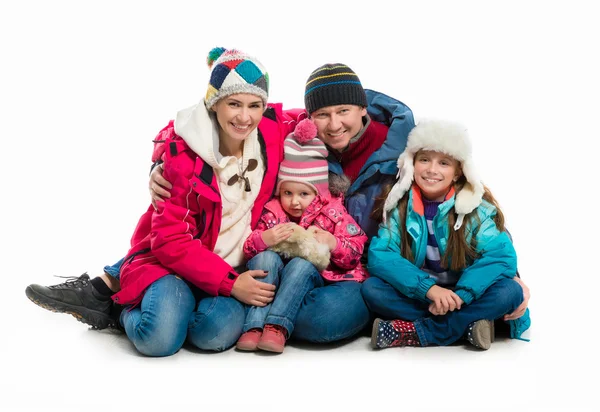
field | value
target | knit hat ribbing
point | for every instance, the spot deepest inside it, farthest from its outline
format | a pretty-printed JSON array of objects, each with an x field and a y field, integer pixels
[
  {"x": 232, "y": 72},
  {"x": 444, "y": 137},
  {"x": 305, "y": 159},
  {"x": 332, "y": 85}
]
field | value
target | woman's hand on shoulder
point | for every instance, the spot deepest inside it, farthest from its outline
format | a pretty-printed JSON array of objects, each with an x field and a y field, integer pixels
[
  {"x": 250, "y": 291},
  {"x": 159, "y": 186}
]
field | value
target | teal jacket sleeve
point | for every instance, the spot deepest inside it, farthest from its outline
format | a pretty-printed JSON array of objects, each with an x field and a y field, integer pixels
[
  {"x": 497, "y": 259},
  {"x": 386, "y": 262}
]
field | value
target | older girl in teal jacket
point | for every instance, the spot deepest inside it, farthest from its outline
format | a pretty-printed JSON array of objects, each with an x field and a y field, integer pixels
[{"x": 442, "y": 265}]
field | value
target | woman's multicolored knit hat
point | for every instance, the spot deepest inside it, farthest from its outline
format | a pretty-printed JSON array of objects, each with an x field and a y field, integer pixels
[
  {"x": 332, "y": 85},
  {"x": 235, "y": 72},
  {"x": 305, "y": 159}
]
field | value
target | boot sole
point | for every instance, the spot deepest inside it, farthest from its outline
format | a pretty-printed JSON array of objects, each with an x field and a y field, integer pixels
[
  {"x": 374, "y": 332},
  {"x": 246, "y": 347},
  {"x": 484, "y": 333},
  {"x": 97, "y": 320},
  {"x": 270, "y": 347}
]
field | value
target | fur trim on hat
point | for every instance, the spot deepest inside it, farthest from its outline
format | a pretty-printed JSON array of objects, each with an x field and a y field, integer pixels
[
  {"x": 446, "y": 137},
  {"x": 338, "y": 184}
]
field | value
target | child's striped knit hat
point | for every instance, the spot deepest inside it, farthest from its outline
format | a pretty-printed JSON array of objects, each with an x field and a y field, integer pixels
[
  {"x": 332, "y": 85},
  {"x": 305, "y": 159},
  {"x": 235, "y": 72}
]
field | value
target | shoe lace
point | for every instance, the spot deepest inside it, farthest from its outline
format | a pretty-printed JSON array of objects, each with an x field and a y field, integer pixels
[
  {"x": 279, "y": 330},
  {"x": 73, "y": 282}
]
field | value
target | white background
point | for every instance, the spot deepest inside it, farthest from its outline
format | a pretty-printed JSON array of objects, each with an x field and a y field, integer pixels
[{"x": 86, "y": 85}]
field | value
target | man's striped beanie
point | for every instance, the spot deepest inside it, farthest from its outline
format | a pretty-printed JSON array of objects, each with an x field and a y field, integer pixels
[
  {"x": 332, "y": 85},
  {"x": 235, "y": 72},
  {"x": 305, "y": 159}
]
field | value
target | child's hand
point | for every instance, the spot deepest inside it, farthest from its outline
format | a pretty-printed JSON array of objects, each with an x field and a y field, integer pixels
[
  {"x": 277, "y": 233},
  {"x": 443, "y": 300},
  {"x": 324, "y": 237}
]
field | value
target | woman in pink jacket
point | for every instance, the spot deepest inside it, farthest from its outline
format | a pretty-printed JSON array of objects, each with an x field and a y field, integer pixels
[
  {"x": 303, "y": 198},
  {"x": 179, "y": 279}
]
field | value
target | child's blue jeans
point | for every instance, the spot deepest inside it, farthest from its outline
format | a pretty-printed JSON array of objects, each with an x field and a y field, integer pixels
[
  {"x": 305, "y": 305},
  {"x": 499, "y": 299}
]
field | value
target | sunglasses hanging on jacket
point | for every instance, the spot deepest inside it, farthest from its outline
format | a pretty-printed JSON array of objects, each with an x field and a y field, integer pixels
[{"x": 252, "y": 164}]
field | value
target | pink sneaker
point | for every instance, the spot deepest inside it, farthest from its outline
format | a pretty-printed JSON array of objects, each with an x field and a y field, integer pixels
[
  {"x": 249, "y": 340},
  {"x": 272, "y": 339}
]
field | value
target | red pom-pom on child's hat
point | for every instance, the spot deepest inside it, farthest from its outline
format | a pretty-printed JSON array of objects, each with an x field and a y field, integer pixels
[{"x": 305, "y": 131}]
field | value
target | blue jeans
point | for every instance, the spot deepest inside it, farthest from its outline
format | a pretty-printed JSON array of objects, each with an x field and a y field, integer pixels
[
  {"x": 306, "y": 306},
  {"x": 217, "y": 322},
  {"x": 159, "y": 325},
  {"x": 298, "y": 277},
  {"x": 333, "y": 312},
  {"x": 114, "y": 270},
  {"x": 166, "y": 316},
  {"x": 499, "y": 299},
  {"x": 270, "y": 262}
]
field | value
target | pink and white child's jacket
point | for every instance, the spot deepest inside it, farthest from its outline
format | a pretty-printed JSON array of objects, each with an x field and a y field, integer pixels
[{"x": 327, "y": 213}]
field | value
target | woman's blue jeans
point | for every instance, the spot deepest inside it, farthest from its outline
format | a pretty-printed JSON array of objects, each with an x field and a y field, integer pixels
[
  {"x": 306, "y": 306},
  {"x": 158, "y": 326},
  {"x": 499, "y": 299},
  {"x": 172, "y": 310}
]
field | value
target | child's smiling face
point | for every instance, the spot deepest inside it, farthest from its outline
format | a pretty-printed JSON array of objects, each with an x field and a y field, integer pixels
[{"x": 435, "y": 172}]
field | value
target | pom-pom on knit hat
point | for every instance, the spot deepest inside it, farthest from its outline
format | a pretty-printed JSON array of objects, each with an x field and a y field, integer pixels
[
  {"x": 444, "y": 137},
  {"x": 305, "y": 159},
  {"x": 232, "y": 72},
  {"x": 332, "y": 85}
]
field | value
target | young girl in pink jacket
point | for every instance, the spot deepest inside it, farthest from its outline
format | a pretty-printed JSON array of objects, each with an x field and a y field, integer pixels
[{"x": 302, "y": 197}]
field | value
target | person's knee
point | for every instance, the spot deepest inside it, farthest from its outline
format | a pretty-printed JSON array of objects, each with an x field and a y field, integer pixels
[
  {"x": 162, "y": 327},
  {"x": 509, "y": 293},
  {"x": 218, "y": 326},
  {"x": 299, "y": 269},
  {"x": 340, "y": 314},
  {"x": 216, "y": 341},
  {"x": 160, "y": 343},
  {"x": 266, "y": 260},
  {"x": 371, "y": 290}
]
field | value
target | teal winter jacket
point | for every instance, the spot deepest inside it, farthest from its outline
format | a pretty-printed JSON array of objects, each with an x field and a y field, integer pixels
[{"x": 497, "y": 258}]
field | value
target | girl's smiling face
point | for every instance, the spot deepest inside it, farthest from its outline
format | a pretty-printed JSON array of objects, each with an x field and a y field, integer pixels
[{"x": 435, "y": 172}]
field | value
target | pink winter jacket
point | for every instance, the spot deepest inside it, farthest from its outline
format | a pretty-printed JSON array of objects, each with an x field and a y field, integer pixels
[
  {"x": 180, "y": 236},
  {"x": 328, "y": 214}
]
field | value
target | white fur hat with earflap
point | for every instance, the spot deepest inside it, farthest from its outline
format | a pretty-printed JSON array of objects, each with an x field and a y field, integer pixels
[{"x": 445, "y": 137}]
